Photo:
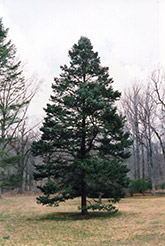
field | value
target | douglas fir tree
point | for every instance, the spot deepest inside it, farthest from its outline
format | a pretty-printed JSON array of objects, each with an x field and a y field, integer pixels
[{"x": 83, "y": 142}]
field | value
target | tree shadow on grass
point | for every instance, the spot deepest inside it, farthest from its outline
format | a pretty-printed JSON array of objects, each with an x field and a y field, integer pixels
[{"x": 73, "y": 216}]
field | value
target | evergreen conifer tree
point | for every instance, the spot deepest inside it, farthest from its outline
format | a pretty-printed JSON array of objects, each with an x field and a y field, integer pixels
[
  {"x": 12, "y": 101},
  {"x": 83, "y": 143}
]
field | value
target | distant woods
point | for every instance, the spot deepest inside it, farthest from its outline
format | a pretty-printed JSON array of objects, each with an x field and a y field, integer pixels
[
  {"x": 16, "y": 94},
  {"x": 144, "y": 108}
]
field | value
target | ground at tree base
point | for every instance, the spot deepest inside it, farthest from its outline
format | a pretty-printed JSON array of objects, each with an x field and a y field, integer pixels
[{"x": 140, "y": 221}]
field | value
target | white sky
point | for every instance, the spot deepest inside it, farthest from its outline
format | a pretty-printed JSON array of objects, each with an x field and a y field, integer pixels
[{"x": 129, "y": 36}]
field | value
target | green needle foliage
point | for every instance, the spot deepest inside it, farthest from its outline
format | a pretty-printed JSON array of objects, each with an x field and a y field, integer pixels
[
  {"x": 83, "y": 143},
  {"x": 12, "y": 100}
]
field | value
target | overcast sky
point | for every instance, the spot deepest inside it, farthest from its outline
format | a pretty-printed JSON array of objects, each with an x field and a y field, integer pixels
[{"x": 129, "y": 35}]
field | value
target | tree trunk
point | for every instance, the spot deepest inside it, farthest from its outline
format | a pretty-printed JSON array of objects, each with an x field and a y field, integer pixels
[
  {"x": 143, "y": 162},
  {"x": 26, "y": 181},
  {"x": 20, "y": 173},
  {"x": 30, "y": 182},
  {"x": 100, "y": 197},
  {"x": 0, "y": 192},
  {"x": 83, "y": 200},
  {"x": 20, "y": 189},
  {"x": 151, "y": 162},
  {"x": 136, "y": 125},
  {"x": 153, "y": 182},
  {"x": 134, "y": 162}
]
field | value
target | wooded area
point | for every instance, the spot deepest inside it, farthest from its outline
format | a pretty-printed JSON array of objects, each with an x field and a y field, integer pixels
[{"x": 144, "y": 107}]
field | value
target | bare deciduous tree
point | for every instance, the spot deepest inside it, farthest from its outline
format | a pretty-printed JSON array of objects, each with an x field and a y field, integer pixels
[
  {"x": 157, "y": 80},
  {"x": 144, "y": 110},
  {"x": 130, "y": 103}
]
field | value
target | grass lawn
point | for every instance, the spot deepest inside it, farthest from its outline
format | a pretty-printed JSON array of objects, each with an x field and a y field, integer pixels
[{"x": 140, "y": 221}]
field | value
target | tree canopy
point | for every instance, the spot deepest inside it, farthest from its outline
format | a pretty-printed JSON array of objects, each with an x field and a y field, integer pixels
[{"x": 83, "y": 142}]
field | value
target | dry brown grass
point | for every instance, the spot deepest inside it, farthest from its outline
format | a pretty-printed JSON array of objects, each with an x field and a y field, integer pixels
[{"x": 140, "y": 221}]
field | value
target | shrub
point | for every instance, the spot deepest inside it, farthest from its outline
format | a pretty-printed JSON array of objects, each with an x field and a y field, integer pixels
[
  {"x": 11, "y": 181},
  {"x": 162, "y": 186},
  {"x": 139, "y": 186}
]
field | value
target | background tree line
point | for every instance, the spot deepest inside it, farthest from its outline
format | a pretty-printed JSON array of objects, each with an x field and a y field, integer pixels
[
  {"x": 144, "y": 108},
  {"x": 16, "y": 94}
]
